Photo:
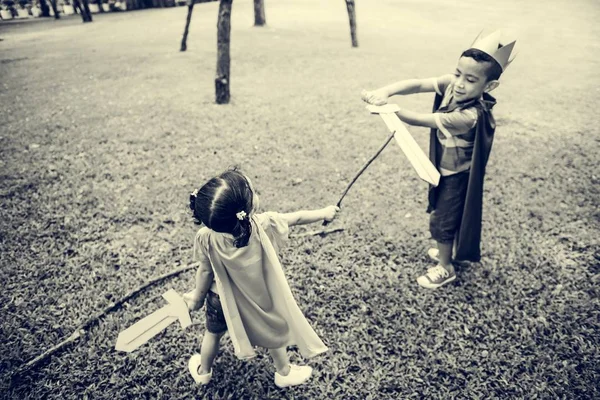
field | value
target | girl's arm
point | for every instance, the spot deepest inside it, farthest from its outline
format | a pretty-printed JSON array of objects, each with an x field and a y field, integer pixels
[
  {"x": 310, "y": 216},
  {"x": 204, "y": 279}
]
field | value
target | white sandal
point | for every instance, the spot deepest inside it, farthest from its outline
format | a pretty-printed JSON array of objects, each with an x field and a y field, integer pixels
[{"x": 193, "y": 365}]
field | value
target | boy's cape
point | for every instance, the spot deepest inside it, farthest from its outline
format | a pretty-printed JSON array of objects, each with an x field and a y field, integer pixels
[
  {"x": 468, "y": 238},
  {"x": 244, "y": 291}
]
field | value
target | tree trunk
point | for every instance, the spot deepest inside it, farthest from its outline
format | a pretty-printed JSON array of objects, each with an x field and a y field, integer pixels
[
  {"x": 86, "y": 14},
  {"x": 187, "y": 25},
  {"x": 54, "y": 9},
  {"x": 352, "y": 17},
  {"x": 259, "y": 13},
  {"x": 223, "y": 40},
  {"x": 99, "y": 2},
  {"x": 45, "y": 9}
]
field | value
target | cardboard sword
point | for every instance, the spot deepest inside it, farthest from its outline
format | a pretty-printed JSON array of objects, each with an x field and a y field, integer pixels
[
  {"x": 150, "y": 326},
  {"x": 417, "y": 158}
]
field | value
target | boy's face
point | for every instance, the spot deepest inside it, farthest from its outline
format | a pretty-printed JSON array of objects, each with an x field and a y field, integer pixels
[{"x": 471, "y": 80}]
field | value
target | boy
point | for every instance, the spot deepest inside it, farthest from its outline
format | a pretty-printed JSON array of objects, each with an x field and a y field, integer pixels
[{"x": 462, "y": 131}]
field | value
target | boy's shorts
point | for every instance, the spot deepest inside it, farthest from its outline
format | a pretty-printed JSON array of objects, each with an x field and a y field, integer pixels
[
  {"x": 215, "y": 319},
  {"x": 445, "y": 220}
]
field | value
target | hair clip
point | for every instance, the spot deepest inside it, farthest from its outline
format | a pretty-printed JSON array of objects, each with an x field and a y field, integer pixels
[
  {"x": 195, "y": 193},
  {"x": 241, "y": 215}
]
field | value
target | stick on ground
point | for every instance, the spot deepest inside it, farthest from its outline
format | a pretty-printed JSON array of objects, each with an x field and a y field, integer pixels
[
  {"x": 322, "y": 232},
  {"x": 80, "y": 330}
]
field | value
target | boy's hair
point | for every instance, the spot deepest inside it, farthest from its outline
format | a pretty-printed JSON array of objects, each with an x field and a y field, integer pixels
[
  {"x": 494, "y": 70},
  {"x": 218, "y": 201}
]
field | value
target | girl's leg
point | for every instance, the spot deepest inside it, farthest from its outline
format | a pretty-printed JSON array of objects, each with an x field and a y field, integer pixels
[
  {"x": 281, "y": 360},
  {"x": 209, "y": 350},
  {"x": 288, "y": 375}
]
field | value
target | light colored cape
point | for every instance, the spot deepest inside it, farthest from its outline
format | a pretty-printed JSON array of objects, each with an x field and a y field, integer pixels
[{"x": 257, "y": 302}]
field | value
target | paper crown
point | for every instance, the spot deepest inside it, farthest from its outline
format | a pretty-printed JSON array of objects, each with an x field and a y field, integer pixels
[{"x": 492, "y": 46}]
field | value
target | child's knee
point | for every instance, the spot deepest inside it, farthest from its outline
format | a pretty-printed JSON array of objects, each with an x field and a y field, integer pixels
[
  {"x": 215, "y": 336},
  {"x": 439, "y": 228}
]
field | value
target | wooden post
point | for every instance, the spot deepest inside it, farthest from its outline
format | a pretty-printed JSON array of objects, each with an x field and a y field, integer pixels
[
  {"x": 190, "y": 4},
  {"x": 352, "y": 17},
  {"x": 223, "y": 59},
  {"x": 259, "y": 13}
]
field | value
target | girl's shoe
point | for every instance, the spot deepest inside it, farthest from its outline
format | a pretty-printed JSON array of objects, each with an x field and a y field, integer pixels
[
  {"x": 436, "y": 277},
  {"x": 297, "y": 376},
  {"x": 194, "y": 365}
]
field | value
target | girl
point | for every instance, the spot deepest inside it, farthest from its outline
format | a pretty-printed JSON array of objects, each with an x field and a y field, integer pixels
[{"x": 242, "y": 281}]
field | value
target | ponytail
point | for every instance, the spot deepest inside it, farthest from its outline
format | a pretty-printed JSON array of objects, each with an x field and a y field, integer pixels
[
  {"x": 195, "y": 216},
  {"x": 242, "y": 232}
]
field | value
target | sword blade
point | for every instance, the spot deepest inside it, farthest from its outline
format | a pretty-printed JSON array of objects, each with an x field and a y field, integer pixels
[
  {"x": 417, "y": 158},
  {"x": 145, "y": 329}
]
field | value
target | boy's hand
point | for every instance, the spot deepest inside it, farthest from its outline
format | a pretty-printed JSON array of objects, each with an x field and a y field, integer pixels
[
  {"x": 330, "y": 212},
  {"x": 192, "y": 301},
  {"x": 375, "y": 97}
]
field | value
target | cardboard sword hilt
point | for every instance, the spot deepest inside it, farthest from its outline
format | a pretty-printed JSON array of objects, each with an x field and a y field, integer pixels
[
  {"x": 148, "y": 327},
  {"x": 417, "y": 158}
]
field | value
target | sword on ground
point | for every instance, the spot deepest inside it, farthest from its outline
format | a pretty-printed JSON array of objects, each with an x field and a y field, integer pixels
[{"x": 150, "y": 326}]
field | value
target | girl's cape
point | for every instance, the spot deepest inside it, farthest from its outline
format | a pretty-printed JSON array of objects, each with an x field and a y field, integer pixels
[
  {"x": 257, "y": 302},
  {"x": 468, "y": 238}
]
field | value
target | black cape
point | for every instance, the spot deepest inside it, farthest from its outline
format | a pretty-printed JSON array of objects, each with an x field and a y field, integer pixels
[{"x": 467, "y": 243}]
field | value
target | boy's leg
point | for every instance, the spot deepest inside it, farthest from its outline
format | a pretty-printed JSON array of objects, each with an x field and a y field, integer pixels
[
  {"x": 445, "y": 255},
  {"x": 443, "y": 225},
  {"x": 208, "y": 351}
]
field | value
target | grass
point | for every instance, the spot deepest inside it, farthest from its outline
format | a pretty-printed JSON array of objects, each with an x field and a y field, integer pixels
[{"x": 106, "y": 128}]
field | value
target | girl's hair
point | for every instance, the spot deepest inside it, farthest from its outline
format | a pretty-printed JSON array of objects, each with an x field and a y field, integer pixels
[{"x": 224, "y": 204}]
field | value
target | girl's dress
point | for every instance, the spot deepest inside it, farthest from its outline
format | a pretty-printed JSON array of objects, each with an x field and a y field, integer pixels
[{"x": 257, "y": 302}]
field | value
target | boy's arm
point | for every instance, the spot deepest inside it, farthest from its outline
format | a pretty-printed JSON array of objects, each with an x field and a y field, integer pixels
[
  {"x": 454, "y": 123},
  {"x": 417, "y": 119},
  {"x": 408, "y": 86},
  {"x": 310, "y": 216},
  {"x": 379, "y": 96}
]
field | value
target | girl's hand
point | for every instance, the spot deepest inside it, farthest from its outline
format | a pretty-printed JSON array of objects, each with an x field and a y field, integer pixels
[
  {"x": 375, "y": 97},
  {"x": 330, "y": 212},
  {"x": 192, "y": 301}
]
